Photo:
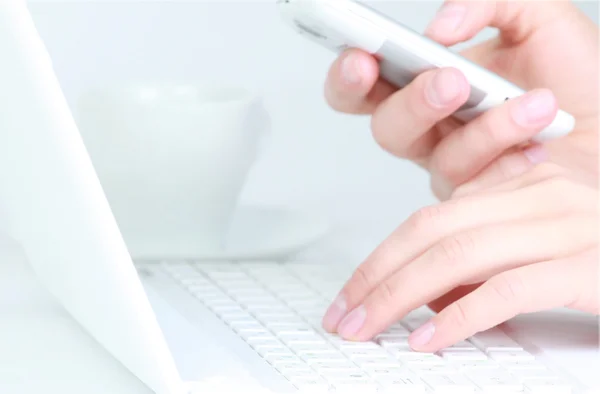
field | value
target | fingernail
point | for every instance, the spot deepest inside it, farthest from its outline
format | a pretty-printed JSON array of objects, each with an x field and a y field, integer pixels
[
  {"x": 421, "y": 336},
  {"x": 335, "y": 313},
  {"x": 351, "y": 70},
  {"x": 536, "y": 154},
  {"x": 534, "y": 108},
  {"x": 448, "y": 19},
  {"x": 352, "y": 323},
  {"x": 444, "y": 87}
]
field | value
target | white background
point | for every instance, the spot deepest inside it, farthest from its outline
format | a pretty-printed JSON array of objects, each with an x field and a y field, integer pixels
[{"x": 316, "y": 157}]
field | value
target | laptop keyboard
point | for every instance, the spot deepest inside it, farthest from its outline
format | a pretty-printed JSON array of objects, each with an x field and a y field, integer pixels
[{"x": 277, "y": 310}]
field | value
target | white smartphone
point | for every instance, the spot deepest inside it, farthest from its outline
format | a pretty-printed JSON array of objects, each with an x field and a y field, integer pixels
[{"x": 403, "y": 53}]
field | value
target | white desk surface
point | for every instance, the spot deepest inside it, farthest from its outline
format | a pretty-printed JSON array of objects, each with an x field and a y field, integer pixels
[{"x": 42, "y": 350}]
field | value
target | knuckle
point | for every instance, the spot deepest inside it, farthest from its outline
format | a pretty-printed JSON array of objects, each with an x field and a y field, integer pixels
[
  {"x": 491, "y": 129},
  {"x": 457, "y": 314},
  {"x": 444, "y": 168},
  {"x": 386, "y": 293},
  {"x": 510, "y": 289},
  {"x": 427, "y": 218},
  {"x": 510, "y": 166},
  {"x": 455, "y": 249},
  {"x": 363, "y": 277}
]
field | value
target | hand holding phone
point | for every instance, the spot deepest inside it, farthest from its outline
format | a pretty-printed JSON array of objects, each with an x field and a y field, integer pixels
[{"x": 403, "y": 54}]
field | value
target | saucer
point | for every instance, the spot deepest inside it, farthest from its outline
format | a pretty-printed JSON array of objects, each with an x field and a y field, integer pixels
[{"x": 263, "y": 233}]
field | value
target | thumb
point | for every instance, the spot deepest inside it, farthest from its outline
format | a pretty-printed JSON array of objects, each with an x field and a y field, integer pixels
[{"x": 460, "y": 20}]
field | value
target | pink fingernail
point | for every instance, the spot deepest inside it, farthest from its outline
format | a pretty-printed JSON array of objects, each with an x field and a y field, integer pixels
[
  {"x": 448, "y": 19},
  {"x": 421, "y": 336},
  {"x": 352, "y": 70},
  {"x": 335, "y": 313},
  {"x": 536, "y": 154},
  {"x": 444, "y": 87},
  {"x": 534, "y": 108},
  {"x": 352, "y": 323}
]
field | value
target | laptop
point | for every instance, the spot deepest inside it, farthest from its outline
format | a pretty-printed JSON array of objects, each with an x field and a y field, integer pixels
[{"x": 190, "y": 326}]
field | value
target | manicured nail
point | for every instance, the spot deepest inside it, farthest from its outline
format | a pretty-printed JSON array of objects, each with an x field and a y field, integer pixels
[
  {"x": 536, "y": 154},
  {"x": 448, "y": 19},
  {"x": 352, "y": 323},
  {"x": 421, "y": 336},
  {"x": 444, "y": 87},
  {"x": 352, "y": 70},
  {"x": 335, "y": 313},
  {"x": 534, "y": 108}
]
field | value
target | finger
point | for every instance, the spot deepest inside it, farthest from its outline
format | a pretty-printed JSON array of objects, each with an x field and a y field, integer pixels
[
  {"x": 401, "y": 123},
  {"x": 465, "y": 258},
  {"x": 532, "y": 288},
  {"x": 509, "y": 166},
  {"x": 427, "y": 227},
  {"x": 463, "y": 154},
  {"x": 460, "y": 20},
  {"x": 539, "y": 174},
  {"x": 353, "y": 84}
]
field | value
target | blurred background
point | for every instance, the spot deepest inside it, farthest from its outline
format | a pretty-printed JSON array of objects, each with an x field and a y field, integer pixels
[{"x": 316, "y": 158}]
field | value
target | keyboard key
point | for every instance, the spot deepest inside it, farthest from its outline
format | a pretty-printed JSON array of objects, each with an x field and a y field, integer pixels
[
  {"x": 295, "y": 332},
  {"x": 548, "y": 386},
  {"x": 289, "y": 324},
  {"x": 449, "y": 384},
  {"x": 265, "y": 351},
  {"x": 397, "y": 330},
  {"x": 335, "y": 369},
  {"x": 227, "y": 309},
  {"x": 266, "y": 315},
  {"x": 463, "y": 355},
  {"x": 524, "y": 374},
  {"x": 285, "y": 366},
  {"x": 406, "y": 383},
  {"x": 412, "y": 357},
  {"x": 392, "y": 338},
  {"x": 522, "y": 365},
  {"x": 261, "y": 340},
  {"x": 245, "y": 323},
  {"x": 303, "y": 340},
  {"x": 494, "y": 340},
  {"x": 383, "y": 371},
  {"x": 355, "y": 353},
  {"x": 495, "y": 381},
  {"x": 517, "y": 355},
  {"x": 344, "y": 374},
  {"x": 463, "y": 345},
  {"x": 424, "y": 369},
  {"x": 282, "y": 358},
  {"x": 301, "y": 348},
  {"x": 476, "y": 365}
]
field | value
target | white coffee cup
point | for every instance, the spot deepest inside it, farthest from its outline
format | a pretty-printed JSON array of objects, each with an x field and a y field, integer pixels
[{"x": 172, "y": 160}]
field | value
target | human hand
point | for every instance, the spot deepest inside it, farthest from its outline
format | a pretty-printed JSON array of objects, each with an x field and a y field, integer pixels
[
  {"x": 549, "y": 48},
  {"x": 524, "y": 245}
]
